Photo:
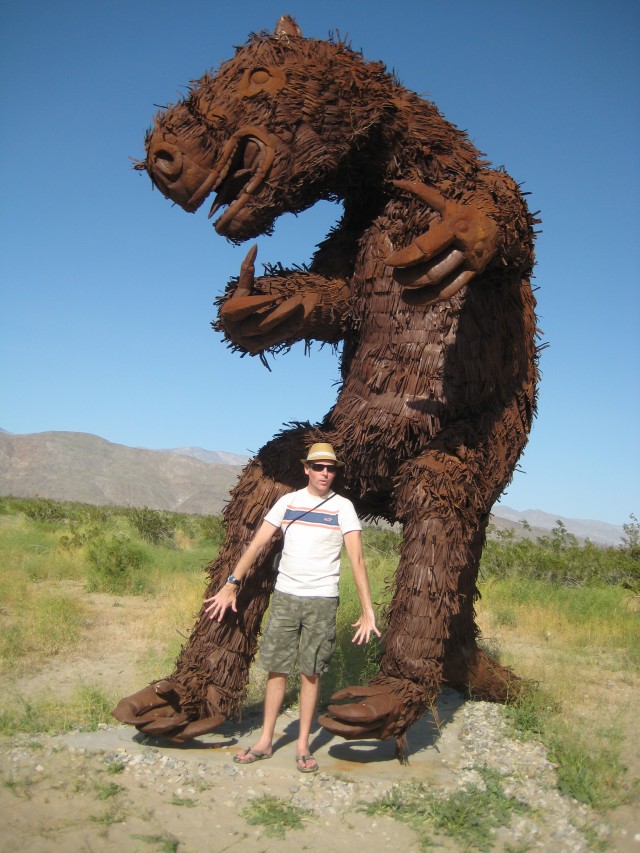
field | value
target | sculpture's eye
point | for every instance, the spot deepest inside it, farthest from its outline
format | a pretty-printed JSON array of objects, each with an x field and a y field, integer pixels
[{"x": 261, "y": 79}]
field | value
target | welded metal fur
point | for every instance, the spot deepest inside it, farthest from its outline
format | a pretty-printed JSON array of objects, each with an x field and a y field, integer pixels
[{"x": 426, "y": 282}]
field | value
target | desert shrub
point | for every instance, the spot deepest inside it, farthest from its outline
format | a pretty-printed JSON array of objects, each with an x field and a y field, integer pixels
[
  {"x": 78, "y": 534},
  {"x": 7, "y": 506},
  {"x": 154, "y": 526},
  {"x": 55, "y": 513},
  {"x": 212, "y": 528},
  {"x": 631, "y": 547},
  {"x": 631, "y": 538},
  {"x": 558, "y": 559},
  {"x": 43, "y": 510},
  {"x": 116, "y": 566},
  {"x": 381, "y": 542}
]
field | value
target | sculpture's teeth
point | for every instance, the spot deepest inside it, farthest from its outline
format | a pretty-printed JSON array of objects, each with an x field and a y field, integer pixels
[{"x": 215, "y": 207}]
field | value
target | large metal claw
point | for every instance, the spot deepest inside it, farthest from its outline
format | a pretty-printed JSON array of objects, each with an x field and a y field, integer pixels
[
  {"x": 374, "y": 713},
  {"x": 240, "y": 307},
  {"x": 438, "y": 263},
  {"x": 256, "y": 321},
  {"x": 260, "y": 324},
  {"x": 155, "y": 710}
]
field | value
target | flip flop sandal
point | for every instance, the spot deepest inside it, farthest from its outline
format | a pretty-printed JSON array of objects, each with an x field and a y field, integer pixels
[
  {"x": 305, "y": 769},
  {"x": 249, "y": 756}
]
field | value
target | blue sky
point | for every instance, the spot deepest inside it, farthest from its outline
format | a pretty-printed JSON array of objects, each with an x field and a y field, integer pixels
[{"x": 107, "y": 289}]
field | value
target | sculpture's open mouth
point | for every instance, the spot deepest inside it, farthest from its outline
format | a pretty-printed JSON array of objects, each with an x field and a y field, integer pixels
[{"x": 240, "y": 171}]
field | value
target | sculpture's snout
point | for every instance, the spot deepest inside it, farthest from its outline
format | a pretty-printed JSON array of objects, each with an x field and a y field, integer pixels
[
  {"x": 175, "y": 173},
  {"x": 164, "y": 161}
]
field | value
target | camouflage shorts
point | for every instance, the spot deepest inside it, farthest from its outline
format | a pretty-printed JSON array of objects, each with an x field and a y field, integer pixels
[{"x": 299, "y": 624}]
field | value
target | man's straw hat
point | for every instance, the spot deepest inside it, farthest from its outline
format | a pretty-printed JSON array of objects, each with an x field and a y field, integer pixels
[{"x": 322, "y": 452}]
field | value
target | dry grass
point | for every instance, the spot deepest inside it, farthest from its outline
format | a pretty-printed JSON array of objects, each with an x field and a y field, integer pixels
[
  {"x": 588, "y": 686},
  {"x": 167, "y": 622},
  {"x": 37, "y": 621}
]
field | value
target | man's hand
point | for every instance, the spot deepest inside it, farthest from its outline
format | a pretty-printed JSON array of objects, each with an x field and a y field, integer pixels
[
  {"x": 366, "y": 626},
  {"x": 222, "y": 600}
]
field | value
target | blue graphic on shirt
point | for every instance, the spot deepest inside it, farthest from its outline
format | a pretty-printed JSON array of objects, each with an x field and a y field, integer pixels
[{"x": 324, "y": 519}]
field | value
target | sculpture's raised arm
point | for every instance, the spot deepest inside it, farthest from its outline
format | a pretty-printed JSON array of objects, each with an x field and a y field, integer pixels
[{"x": 271, "y": 311}]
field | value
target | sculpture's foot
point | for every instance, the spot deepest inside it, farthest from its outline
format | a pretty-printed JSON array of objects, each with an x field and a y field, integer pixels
[
  {"x": 156, "y": 711},
  {"x": 479, "y": 676},
  {"x": 374, "y": 713},
  {"x": 377, "y": 712}
]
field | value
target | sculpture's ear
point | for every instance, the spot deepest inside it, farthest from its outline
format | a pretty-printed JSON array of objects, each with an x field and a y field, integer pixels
[{"x": 285, "y": 27}]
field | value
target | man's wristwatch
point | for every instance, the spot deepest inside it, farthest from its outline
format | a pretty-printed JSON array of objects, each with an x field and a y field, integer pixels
[{"x": 233, "y": 580}]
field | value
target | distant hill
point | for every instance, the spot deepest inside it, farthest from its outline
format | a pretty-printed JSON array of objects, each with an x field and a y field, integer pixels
[
  {"x": 219, "y": 457},
  {"x": 599, "y": 532},
  {"x": 81, "y": 467}
]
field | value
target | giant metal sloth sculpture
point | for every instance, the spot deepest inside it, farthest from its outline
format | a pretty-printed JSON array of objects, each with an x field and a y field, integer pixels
[{"x": 425, "y": 280}]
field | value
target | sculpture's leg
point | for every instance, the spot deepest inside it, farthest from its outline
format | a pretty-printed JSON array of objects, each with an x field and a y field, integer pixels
[
  {"x": 466, "y": 667},
  {"x": 210, "y": 675},
  {"x": 443, "y": 499}
]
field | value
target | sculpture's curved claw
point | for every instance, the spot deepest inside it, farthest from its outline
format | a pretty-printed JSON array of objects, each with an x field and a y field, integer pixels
[
  {"x": 238, "y": 308},
  {"x": 375, "y": 713},
  {"x": 438, "y": 263},
  {"x": 200, "y": 727},
  {"x": 257, "y": 321},
  {"x": 155, "y": 710}
]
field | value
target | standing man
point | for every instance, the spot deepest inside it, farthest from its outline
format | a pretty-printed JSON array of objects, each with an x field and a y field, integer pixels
[{"x": 315, "y": 521}]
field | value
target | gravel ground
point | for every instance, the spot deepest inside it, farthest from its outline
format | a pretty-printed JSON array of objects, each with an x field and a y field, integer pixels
[{"x": 51, "y": 797}]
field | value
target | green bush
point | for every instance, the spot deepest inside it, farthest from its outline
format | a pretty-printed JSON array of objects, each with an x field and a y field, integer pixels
[
  {"x": 7, "y": 506},
  {"x": 381, "y": 542},
  {"x": 79, "y": 534},
  {"x": 559, "y": 560},
  {"x": 44, "y": 510},
  {"x": 212, "y": 529},
  {"x": 116, "y": 566},
  {"x": 56, "y": 513},
  {"x": 154, "y": 526},
  {"x": 631, "y": 545}
]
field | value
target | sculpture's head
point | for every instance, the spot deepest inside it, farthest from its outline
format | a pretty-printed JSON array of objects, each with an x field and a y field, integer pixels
[{"x": 271, "y": 132}]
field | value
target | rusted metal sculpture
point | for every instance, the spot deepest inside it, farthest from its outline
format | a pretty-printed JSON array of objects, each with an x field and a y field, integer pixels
[{"x": 426, "y": 281}]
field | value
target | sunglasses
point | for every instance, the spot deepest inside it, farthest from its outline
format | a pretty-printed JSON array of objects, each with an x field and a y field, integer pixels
[{"x": 321, "y": 466}]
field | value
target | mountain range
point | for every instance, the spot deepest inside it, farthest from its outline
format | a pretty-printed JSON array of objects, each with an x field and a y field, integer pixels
[{"x": 77, "y": 466}]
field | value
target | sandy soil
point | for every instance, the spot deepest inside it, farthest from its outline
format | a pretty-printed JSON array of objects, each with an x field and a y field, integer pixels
[
  {"x": 114, "y": 790},
  {"x": 59, "y": 795}
]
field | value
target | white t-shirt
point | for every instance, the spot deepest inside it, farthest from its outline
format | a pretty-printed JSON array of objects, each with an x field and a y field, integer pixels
[{"x": 310, "y": 563}]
